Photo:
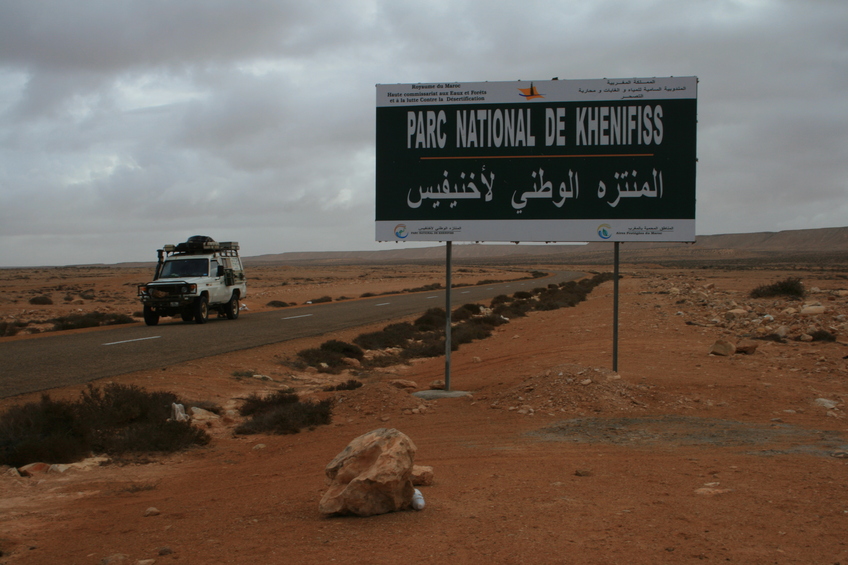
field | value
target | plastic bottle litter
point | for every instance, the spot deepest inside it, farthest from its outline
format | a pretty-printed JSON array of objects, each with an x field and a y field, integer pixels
[
  {"x": 178, "y": 413},
  {"x": 418, "y": 500}
]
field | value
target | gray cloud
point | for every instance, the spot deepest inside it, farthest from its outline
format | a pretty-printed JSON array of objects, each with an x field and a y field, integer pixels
[{"x": 126, "y": 125}]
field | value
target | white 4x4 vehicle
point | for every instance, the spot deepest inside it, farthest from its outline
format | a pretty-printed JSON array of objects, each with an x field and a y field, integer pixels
[{"x": 193, "y": 278}]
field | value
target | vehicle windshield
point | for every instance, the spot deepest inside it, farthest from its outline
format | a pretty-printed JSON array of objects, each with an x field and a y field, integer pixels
[{"x": 185, "y": 268}]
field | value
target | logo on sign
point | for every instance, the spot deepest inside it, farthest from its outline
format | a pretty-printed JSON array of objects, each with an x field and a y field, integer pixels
[
  {"x": 400, "y": 231},
  {"x": 605, "y": 231},
  {"x": 530, "y": 93}
]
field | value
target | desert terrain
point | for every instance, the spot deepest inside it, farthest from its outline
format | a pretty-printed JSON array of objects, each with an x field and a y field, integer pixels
[{"x": 681, "y": 456}]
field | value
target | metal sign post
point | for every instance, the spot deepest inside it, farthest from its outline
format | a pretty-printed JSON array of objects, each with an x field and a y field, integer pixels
[
  {"x": 448, "y": 315},
  {"x": 615, "y": 311}
]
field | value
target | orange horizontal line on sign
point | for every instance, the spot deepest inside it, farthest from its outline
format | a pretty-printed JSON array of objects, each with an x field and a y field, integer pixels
[{"x": 535, "y": 156}]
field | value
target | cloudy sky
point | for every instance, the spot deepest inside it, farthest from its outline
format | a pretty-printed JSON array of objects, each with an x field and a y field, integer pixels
[{"x": 128, "y": 124}]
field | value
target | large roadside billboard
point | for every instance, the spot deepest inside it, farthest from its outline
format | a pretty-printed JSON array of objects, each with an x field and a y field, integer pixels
[{"x": 555, "y": 160}]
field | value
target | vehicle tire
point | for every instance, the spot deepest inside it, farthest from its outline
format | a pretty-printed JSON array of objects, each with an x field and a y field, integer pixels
[
  {"x": 201, "y": 310},
  {"x": 187, "y": 314},
  {"x": 151, "y": 317},
  {"x": 232, "y": 307}
]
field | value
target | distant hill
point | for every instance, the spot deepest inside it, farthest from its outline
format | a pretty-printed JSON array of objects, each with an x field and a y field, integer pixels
[{"x": 825, "y": 247}]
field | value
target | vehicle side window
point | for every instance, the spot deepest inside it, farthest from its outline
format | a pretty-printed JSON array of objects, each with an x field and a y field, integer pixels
[{"x": 213, "y": 268}]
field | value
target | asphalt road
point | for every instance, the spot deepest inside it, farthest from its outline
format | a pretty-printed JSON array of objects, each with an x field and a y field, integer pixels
[{"x": 55, "y": 360}]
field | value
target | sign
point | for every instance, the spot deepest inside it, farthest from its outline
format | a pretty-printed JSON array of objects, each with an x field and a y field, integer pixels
[{"x": 556, "y": 160}]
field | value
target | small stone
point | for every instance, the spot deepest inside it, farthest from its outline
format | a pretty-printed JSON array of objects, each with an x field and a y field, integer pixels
[
  {"x": 201, "y": 414},
  {"x": 735, "y": 314},
  {"x": 152, "y": 511},
  {"x": 115, "y": 559},
  {"x": 826, "y": 403},
  {"x": 259, "y": 446},
  {"x": 585, "y": 382},
  {"x": 723, "y": 347},
  {"x": 403, "y": 383},
  {"x": 422, "y": 475},
  {"x": 813, "y": 310},
  {"x": 33, "y": 468},
  {"x": 747, "y": 346},
  {"x": 437, "y": 385}
]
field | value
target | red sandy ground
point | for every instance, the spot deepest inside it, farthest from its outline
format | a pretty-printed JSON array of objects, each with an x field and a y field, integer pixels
[{"x": 723, "y": 459}]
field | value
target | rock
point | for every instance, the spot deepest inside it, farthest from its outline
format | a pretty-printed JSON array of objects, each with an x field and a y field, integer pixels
[
  {"x": 735, "y": 314},
  {"x": 115, "y": 559},
  {"x": 747, "y": 346},
  {"x": 422, "y": 475},
  {"x": 437, "y": 385},
  {"x": 826, "y": 403},
  {"x": 371, "y": 476},
  {"x": 201, "y": 414},
  {"x": 723, "y": 347},
  {"x": 352, "y": 362},
  {"x": 152, "y": 511},
  {"x": 32, "y": 468},
  {"x": 403, "y": 383},
  {"x": 812, "y": 310}
]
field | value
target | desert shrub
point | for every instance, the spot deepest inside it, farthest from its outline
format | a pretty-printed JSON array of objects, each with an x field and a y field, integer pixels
[
  {"x": 791, "y": 287},
  {"x": 89, "y": 320},
  {"x": 500, "y": 299},
  {"x": 432, "y": 320},
  {"x": 48, "y": 431},
  {"x": 393, "y": 335},
  {"x": 538, "y": 274},
  {"x": 248, "y": 373},
  {"x": 351, "y": 384},
  {"x": 822, "y": 335},
  {"x": 8, "y": 329},
  {"x": 320, "y": 300},
  {"x": 367, "y": 295},
  {"x": 343, "y": 348},
  {"x": 279, "y": 304},
  {"x": 468, "y": 332},
  {"x": 288, "y": 417},
  {"x": 428, "y": 347},
  {"x": 325, "y": 361},
  {"x": 255, "y": 404},
  {"x": 465, "y": 312},
  {"x": 41, "y": 300},
  {"x": 115, "y": 420},
  {"x": 522, "y": 294},
  {"x": 517, "y": 309}
]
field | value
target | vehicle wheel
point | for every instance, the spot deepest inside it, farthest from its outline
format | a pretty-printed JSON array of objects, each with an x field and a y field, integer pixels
[
  {"x": 201, "y": 310},
  {"x": 187, "y": 314},
  {"x": 232, "y": 307},
  {"x": 151, "y": 317}
]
